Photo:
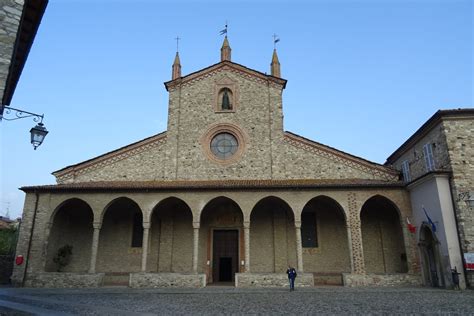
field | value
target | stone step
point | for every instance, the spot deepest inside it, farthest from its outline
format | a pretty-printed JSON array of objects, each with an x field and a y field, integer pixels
[
  {"x": 328, "y": 278},
  {"x": 116, "y": 279}
]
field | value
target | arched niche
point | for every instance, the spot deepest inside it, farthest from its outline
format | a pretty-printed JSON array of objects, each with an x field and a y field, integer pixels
[
  {"x": 324, "y": 237},
  {"x": 382, "y": 237},
  {"x": 171, "y": 237},
  {"x": 272, "y": 236},
  {"x": 121, "y": 237},
  {"x": 71, "y": 224}
]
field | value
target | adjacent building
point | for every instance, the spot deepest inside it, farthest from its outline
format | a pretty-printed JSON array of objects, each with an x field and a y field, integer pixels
[{"x": 438, "y": 167}]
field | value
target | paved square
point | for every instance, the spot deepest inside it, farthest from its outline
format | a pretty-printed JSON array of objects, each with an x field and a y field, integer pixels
[{"x": 229, "y": 300}]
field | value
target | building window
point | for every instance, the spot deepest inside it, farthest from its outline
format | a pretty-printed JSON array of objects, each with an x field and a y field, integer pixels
[
  {"x": 309, "y": 236},
  {"x": 137, "y": 230},
  {"x": 226, "y": 99},
  {"x": 428, "y": 154},
  {"x": 406, "y": 171},
  {"x": 224, "y": 145}
]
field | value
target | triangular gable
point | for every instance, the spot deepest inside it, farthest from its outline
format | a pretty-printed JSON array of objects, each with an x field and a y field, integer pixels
[
  {"x": 341, "y": 157},
  {"x": 111, "y": 157},
  {"x": 225, "y": 65}
]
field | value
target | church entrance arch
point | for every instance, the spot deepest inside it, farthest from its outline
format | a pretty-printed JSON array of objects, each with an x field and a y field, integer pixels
[
  {"x": 272, "y": 236},
  {"x": 71, "y": 226},
  {"x": 432, "y": 274},
  {"x": 324, "y": 238},
  {"x": 382, "y": 237},
  {"x": 121, "y": 237},
  {"x": 171, "y": 237},
  {"x": 221, "y": 244}
]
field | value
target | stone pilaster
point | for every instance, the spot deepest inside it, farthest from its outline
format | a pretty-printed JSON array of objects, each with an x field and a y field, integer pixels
[
  {"x": 247, "y": 246},
  {"x": 196, "y": 226},
  {"x": 95, "y": 246},
  {"x": 146, "y": 230},
  {"x": 358, "y": 265},
  {"x": 299, "y": 246}
]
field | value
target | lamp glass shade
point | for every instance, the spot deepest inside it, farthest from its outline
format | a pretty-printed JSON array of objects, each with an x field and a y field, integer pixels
[{"x": 38, "y": 133}]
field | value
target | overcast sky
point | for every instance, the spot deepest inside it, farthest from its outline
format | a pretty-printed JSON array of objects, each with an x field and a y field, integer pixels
[{"x": 362, "y": 75}]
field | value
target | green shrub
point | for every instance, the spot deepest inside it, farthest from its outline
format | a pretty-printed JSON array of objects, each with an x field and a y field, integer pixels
[{"x": 8, "y": 238}]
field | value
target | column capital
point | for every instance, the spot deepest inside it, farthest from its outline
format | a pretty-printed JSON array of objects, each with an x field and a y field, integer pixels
[
  {"x": 247, "y": 224},
  {"x": 297, "y": 224},
  {"x": 146, "y": 225},
  {"x": 97, "y": 225},
  {"x": 196, "y": 225}
]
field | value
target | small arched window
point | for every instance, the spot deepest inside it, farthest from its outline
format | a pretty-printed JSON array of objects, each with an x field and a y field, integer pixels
[{"x": 226, "y": 99}]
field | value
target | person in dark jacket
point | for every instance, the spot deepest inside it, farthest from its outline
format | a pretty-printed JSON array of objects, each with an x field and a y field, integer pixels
[{"x": 291, "y": 277}]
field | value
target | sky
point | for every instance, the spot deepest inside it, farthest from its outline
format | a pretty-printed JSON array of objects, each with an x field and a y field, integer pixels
[{"x": 363, "y": 75}]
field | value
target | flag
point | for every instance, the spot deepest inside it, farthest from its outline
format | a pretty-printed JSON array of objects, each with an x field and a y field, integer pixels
[
  {"x": 224, "y": 31},
  {"x": 433, "y": 226},
  {"x": 276, "y": 40},
  {"x": 411, "y": 227}
]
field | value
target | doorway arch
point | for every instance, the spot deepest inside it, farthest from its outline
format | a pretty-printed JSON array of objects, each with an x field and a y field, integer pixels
[
  {"x": 221, "y": 245},
  {"x": 431, "y": 264}
]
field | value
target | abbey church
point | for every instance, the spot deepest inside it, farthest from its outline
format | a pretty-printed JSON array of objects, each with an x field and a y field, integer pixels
[{"x": 226, "y": 196}]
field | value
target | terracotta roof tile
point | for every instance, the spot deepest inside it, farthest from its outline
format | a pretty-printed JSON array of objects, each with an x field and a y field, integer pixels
[{"x": 213, "y": 185}]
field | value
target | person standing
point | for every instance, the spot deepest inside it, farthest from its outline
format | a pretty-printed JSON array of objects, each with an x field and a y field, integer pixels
[{"x": 291, "y": 277}]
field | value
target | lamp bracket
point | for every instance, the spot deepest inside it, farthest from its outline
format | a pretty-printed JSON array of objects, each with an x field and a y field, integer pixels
[{"x": 18, "y": 114}]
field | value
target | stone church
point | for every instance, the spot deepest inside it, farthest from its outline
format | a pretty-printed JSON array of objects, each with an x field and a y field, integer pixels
[{"x": 224, "y": 195}]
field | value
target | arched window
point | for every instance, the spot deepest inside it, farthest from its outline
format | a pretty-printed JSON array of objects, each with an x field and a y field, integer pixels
[{"x": 226, "y": 99}]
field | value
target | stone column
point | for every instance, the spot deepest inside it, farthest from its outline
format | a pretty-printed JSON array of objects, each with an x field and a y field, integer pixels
[
  {"x": 247, "y": 246},
  {"x": 349, "y": 244},
  {"x": 95, "y": 246},
  {"x": 196, "y": 226},
  {"x": 299, "y": 247},
  {"x": 358, "y": 265},
  {"x": 146, "y": 230}
]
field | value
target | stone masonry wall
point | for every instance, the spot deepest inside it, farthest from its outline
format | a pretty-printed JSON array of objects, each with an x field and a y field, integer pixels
[
  {"x": 10, "y": 15},
  {"x": 453, "y": 151},
  {"x": 192, "y": 108},
  {"x": 460, "y": 139},
  {"x": 258, "y": 116},
  {"x": 416, "y": 159}
]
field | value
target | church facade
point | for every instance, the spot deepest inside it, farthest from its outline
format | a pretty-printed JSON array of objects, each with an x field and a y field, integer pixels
[{"x": 223, "y": 195}]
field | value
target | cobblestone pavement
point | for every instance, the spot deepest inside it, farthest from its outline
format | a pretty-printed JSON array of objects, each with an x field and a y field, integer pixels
[{"x": 228, "y": 300}]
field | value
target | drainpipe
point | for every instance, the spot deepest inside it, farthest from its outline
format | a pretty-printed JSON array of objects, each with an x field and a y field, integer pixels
[{"x": 31, "y": 238}]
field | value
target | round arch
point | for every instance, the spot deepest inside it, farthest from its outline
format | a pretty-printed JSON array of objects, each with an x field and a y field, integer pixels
[
  {"x": 221, "y": 240},
  {"x": 121, "y": 236},
  {"x": 272, "y": 236},
  {"x": 114, "y": 202},
  {"x": 71, "y": 225},
  {"x": 430, "y": 257},
  {"x": 171, "y": 237},
  {"x": 324, "y": 237},
  {"x": 382, "y": 236}
]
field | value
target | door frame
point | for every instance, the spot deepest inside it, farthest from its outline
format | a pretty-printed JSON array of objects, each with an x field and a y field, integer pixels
[{"x": 210, "y": 249}]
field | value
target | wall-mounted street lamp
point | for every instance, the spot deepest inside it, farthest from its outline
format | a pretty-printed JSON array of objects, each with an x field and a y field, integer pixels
[
  {"x": 467, "y": 197},
  {"x": 38, "y": 132}
]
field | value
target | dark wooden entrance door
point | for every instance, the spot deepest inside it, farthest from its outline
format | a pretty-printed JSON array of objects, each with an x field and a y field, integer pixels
[{"x": 225, "y": 255}]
